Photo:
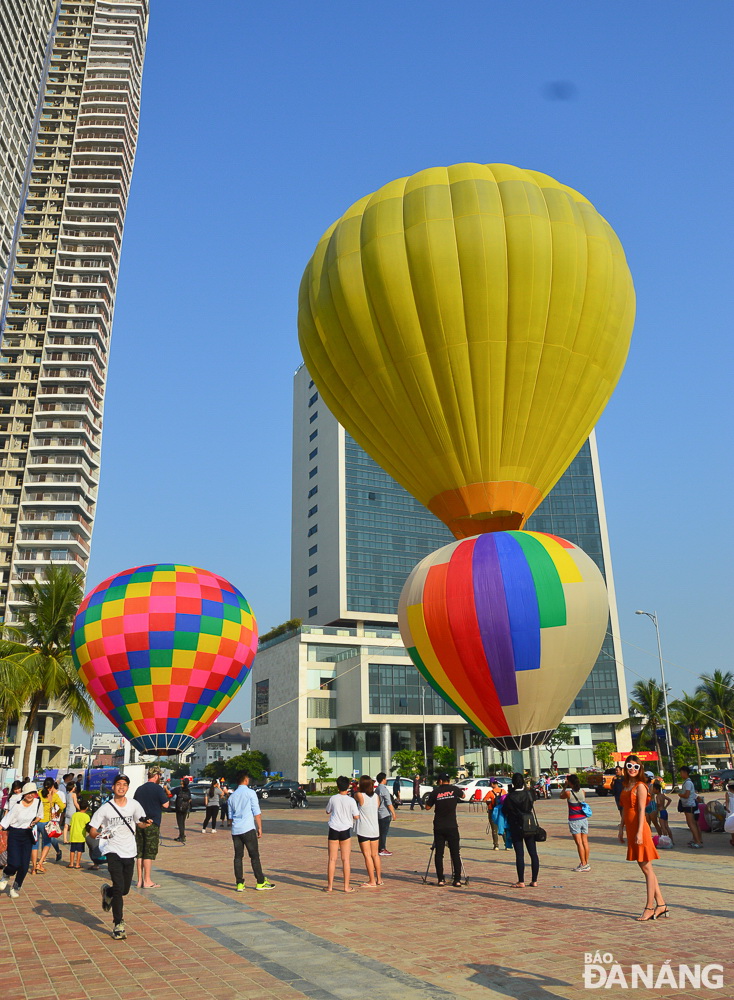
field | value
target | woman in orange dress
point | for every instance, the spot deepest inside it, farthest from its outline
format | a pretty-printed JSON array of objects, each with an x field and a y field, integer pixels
[{"x": 640, "y": 848}]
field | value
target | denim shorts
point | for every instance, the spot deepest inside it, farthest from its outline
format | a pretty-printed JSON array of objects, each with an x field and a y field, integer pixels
[{"x": 579, "y": 825}]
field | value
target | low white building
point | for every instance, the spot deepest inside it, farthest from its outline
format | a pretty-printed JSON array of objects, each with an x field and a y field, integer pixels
[{"x": 221, "y": 741}]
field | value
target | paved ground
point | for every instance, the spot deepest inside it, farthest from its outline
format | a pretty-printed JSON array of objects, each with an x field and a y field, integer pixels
[{"x": 195, "y": 938}]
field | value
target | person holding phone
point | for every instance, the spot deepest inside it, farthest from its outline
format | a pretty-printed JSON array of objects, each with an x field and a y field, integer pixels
[{"x": 115, "y": 823}]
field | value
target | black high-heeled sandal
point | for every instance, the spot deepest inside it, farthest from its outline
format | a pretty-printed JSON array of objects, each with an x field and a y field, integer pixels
[
  {"x": 643, "y": 919},
  {"x": 663, "y": 913}
]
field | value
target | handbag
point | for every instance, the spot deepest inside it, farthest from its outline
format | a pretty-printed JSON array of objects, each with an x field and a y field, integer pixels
[
  {"x": 540, "y": 835},
  {"x": 53, "y": 829},
  {"x": 532, "y": 828}
]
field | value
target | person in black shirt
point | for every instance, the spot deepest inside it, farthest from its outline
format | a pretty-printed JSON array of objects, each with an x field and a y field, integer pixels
[
  {"x": 154, "y": 800},
  {"x": 181, "y": 798},
  {"x": 445, "y": 797},
  {"x": 617, "y": 785},
  {"x": 519, "y": 803}
]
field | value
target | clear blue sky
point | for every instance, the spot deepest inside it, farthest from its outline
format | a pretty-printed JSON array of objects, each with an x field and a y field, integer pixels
[{"x": 262, "y": 123}]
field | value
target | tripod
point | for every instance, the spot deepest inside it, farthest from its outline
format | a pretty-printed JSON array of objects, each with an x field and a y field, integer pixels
[{"x": 463, "y": 877}]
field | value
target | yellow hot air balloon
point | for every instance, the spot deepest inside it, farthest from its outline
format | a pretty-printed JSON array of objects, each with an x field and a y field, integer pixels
[{"x": 467, "y": 325}]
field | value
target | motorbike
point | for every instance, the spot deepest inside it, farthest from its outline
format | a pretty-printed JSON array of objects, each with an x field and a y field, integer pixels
[{"x": 298, "y": 799}]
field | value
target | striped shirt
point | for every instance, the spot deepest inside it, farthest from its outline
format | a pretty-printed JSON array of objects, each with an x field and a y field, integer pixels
[{"x": 575, "y": 804}]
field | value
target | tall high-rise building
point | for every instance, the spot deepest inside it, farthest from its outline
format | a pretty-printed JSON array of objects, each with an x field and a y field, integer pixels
[
  {"x": 82, "y": 85},
  {"x": 58, "y": 320},
  {"x": 25, "y": 32}
]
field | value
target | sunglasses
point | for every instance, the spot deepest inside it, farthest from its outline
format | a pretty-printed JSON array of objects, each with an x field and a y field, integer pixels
[{"x": 633, "y": 767}]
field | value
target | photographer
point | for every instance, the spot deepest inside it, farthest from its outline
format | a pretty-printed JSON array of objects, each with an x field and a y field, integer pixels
[{"x": 445, "y": 798}]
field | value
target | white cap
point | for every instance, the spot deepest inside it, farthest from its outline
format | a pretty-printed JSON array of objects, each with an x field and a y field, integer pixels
[{"x": 29, "y": 788}]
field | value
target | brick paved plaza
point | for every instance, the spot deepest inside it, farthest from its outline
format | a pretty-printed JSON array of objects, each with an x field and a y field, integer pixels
[{"x": 196, "y": 938}]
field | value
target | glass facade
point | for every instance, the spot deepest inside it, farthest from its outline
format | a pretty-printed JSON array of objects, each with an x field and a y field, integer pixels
[
  {"x": 388, "y": 532},
  {"x": 395, "y": 689}
]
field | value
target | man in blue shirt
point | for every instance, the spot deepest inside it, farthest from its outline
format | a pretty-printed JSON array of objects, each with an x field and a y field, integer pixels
[{"x": 247, "y": 828}]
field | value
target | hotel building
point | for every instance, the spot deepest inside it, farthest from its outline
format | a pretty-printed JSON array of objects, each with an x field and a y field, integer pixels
[{"x": 61, "y": 267}]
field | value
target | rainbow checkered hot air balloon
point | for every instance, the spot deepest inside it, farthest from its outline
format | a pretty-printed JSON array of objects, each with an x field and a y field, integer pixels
[
  {"x": 506, "y": 627},
  {"x": 162, "y": 650}
]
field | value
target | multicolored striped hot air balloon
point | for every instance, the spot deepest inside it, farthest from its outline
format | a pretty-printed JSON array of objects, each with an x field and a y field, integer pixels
[
  {"x": 162, "y": 650},
  {"x": 506, "y": 627}
]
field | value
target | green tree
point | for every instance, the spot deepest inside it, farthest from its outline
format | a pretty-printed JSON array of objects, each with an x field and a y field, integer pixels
[
  {"x": 684, "y": 753},
  {"x": 37, "y": 647},
  {"x": 604, "y": 752},
  {"x": 647, "y": 709},
  {"x": 687, "y": 714},
  {"x": 254, "y": 761},
  {"x": 562, "y": 736},
  {"x": 289, "y": 626},
  {"x": 316, "y": 762},
  {"x": 717, "y": 691},
  {"x": 444, "y": 759},
  {"x": 406, "y": 763},
  {"x": 178, "y": 768}
]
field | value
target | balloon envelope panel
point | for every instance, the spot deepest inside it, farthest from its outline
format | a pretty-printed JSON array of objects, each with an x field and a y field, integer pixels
[
  {"x": 506, "y": 627},
  {"x": 467, "y": 325},
  {"x": 162, "y": 649}
]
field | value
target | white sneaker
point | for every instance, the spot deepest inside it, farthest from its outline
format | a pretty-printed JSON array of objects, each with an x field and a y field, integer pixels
[
  {"x": 3, "y": 883},
  {"x": 14, "y": 894},
  {"x": 214, "y": 831}
]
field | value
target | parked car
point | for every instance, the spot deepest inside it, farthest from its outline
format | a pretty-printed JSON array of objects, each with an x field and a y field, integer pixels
[
  {"x": 406, "y": 789},
  {"x": 601, "y": 782},
  {"x": 558, "y": 781},
  {"x": 281, "y": 788},
  {"x": 198, "y": 791},
  {"x": 470, "y": 786}
]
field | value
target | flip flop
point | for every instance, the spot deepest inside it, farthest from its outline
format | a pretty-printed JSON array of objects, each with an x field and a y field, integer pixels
[
  {"x": 350, "y": 890},
  {"x": 518, "y": 885},
  {"x": 325, "y": 889},
  {"x": 153, "y": 886},
  {"x": 369, "y": 885}
]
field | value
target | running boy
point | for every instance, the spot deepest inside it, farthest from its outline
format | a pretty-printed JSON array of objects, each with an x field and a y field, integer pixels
[
  {"x": 116, "y": 821},
  {"x": 342, "y": 811},
  {"x": 77, "y": 834}
]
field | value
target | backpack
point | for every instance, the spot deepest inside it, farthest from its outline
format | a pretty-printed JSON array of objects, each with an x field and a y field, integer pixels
[{"x": 183, "y": 800}]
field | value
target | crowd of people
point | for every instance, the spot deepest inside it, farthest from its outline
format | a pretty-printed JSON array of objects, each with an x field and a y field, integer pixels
[{"x": 124, "y": 831}]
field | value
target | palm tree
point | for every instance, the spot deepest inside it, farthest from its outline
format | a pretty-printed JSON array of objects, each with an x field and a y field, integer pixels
[
  {"x": 687, "y": 713},
  {"x": 12, "y": 697},
  {"x": 36, "y": 651},
  {"x": 647, "y": 706},
  {"x": 717, "y": 690}
]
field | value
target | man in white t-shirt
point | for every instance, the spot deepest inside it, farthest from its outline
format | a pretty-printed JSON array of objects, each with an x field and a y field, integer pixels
[
  {"x": 689, "y": 804},
  {"x": 115, "y": 823},
  {"x": 342, "y": 811}
]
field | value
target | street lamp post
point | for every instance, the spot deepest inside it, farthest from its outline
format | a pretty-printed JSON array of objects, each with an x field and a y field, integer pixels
[
  {"x": 654, "y": 619},
  {"x": 423, "y": 711}
]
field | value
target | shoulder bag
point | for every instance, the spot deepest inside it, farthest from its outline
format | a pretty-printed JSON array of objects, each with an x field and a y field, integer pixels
[{"x": 585, "y": 807}]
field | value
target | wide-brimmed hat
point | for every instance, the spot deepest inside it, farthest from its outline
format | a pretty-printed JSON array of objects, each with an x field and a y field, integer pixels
[{"x": 29, "y": 789}]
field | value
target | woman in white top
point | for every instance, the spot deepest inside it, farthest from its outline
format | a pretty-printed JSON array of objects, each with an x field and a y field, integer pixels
[
  {"x": 368, "y": 830},
  {"x": 20, "y": 822},
  {"x": 15, "y": 795}
]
